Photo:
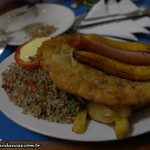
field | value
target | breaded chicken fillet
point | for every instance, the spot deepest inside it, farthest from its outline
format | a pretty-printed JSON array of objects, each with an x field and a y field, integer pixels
[{"x": 91, "y": 84}]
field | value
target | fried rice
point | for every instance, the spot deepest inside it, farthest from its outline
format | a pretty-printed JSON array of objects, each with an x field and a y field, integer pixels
[
  {"x": 36, "y": 94},
  {"x": 40, "y": 30}
]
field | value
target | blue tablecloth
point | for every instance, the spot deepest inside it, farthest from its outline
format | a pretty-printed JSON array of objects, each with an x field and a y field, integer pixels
[{"x": 10, "y": 131}]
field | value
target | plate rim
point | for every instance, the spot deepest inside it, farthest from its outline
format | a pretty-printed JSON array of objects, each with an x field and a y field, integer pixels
[
  {"x": 71, "y": 12},
  {"x": 44, "y": 133}
]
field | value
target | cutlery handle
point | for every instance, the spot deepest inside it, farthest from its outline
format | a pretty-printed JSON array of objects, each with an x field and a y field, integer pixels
[
  {"x": 130, "y": 14},
  {"x": 78, "y": 26}
]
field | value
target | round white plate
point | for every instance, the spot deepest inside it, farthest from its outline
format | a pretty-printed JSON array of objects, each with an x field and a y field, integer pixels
[
  {"x": 57, "y": 15},
  {"x": 139, "y": 123}
]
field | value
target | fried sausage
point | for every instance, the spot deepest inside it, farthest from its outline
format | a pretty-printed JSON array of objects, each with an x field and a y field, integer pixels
[{"x": 124, "y": 56}]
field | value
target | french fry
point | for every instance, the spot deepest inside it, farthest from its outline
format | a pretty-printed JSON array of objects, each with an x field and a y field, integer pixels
[
  {"x": 121, "y": 128},
  {"x": 79, "y": 125},
  {"x": 102, "y": 113}
]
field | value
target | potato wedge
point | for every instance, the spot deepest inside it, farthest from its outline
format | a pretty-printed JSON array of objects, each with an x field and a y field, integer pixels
[
  {"x": 79, "y": 125},
  {"x": 122, "y": 110},
  {"x": 129, "y": 46},
  {"x": 102, "y": 113},
  {"x": 121, "y": 128}
]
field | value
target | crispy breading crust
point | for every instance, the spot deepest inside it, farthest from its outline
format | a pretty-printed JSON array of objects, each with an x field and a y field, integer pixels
[{"x": 68, "y": 74}]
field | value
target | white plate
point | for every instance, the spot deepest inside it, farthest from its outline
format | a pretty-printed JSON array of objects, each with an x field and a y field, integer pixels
[
  {"x": 140, "y": 121},
  {"x": 59, "y": 16}
]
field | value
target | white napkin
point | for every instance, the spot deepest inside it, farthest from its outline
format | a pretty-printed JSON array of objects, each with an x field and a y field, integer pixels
[
  {"x": 122, "y": 29},
  {"x": 130, "y": 25},
  {"x": 144, "y": 22}
]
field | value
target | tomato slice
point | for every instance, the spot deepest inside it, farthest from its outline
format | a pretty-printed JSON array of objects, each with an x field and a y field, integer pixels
[{"x": 34, "y": 63}]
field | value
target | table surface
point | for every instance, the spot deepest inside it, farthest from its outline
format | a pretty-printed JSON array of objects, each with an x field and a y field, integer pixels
[{"x": 10, "y": 131}]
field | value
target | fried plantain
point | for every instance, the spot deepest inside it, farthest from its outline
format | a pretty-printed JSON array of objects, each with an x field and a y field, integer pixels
[
  {"x": 123, "y": 45},
  {"x": 139, "y": 73}
]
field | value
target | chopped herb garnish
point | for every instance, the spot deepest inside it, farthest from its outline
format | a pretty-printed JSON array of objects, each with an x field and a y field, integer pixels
[
  {"x": 17, "y": 101},
  {"x": 53, "y": 98},
  {"x": 51, "y": 108},
  {"x": 2, "y": 86},
  {"x": 44, "y": 93},
  {"x": 42, "y": 70},
  {"x": 31, "y": 70},
  {"x": 70, "y": 113},
  {"x": 11, "y": 88},
  {"x": 15, "y": 85},
  {"x": 28, "y": 104}
]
